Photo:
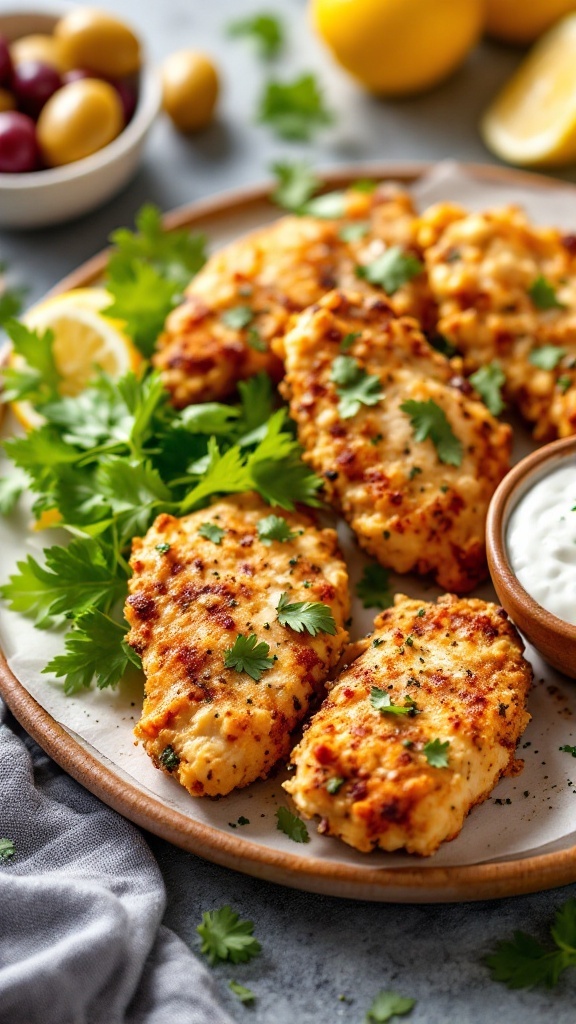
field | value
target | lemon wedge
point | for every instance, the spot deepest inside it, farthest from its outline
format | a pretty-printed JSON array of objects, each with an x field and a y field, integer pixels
[
  {"x": 83, "y": 339},
  {"x": 532, "y": 122}
]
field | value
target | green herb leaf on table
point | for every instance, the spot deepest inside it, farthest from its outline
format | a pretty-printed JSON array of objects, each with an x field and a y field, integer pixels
[
  {"x": 245, "y": 995},
  {"x": 391, "y": 270},
  {"x": 381, "y": 701},
  {"x": 213, "y": 532},
  {"x": 546, "y": 357},
  {"x": 294, "y": 110},
  {"x": 94, "y": 650},
  {"x": 7, "y": 849},
  {"x": 436, "y": 753},
  {"x": 291, "y": 825},
  {"x": 265, "y": 30},
  {"x": 488, "y": 381},
  {"x": 312, "y": 616},
  {"x": 274, "y": 528},
  {"x": 296, "y": 184},
  {"x": 373, "y": 588},
  {"x": 354, "y": 386},
  {"x": 567, "y": 749},
  {"x": 387, "y": 1005},
  {"x": 523, "y": 962},
  {"x": 249, "y": 655},
  {"x": 543, "y": 294},
  {"x": 225, "y": 937},
  {"x": 428, "y": 420}
]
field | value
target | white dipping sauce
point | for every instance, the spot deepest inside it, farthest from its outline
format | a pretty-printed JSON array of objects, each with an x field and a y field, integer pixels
[{"x": 541, "y": 541}]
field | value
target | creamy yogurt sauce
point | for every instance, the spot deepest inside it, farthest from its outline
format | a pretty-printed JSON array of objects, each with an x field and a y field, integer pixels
[{"x": 541, "y": 541}]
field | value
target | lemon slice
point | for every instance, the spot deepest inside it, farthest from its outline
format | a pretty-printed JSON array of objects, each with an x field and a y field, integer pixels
[
  {"x": 83, "y": 339},
  {"x": 533, "y": 120}
]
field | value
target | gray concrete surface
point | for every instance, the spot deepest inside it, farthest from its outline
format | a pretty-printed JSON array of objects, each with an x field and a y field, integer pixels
[{"x": 315, "y": 949}]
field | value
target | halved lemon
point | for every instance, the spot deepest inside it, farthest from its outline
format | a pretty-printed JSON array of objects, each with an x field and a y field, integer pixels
[
  {"x": 532, "y": 122},
  {"x": 83, "y": 340}
]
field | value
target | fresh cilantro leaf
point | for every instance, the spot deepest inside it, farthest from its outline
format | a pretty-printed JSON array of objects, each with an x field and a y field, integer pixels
[
  {"x": 373, "y": 588},
  {"x": 329, "y": 206},
  {"x": 488, "y": 382},
  {"x": 523, "y": 962},
  {"x": 257, "y": 405},
  {"x": 429, "y": 420},
  {"x": 274, "y": 528},
  {"x": 245, "y": 995},
  {"x": 266, "y": 30},
  {"x": 224, "y": 473},
  {"x": 142, "y": 298},
  {"x": 335, "y": 784},
  {"x": 388, "y": 1005},
  {"x": 255, "y": 340},
  {"x": 163, "y": 548},
  {"x": 543, "y": 294},
  {"x": 11, "y": 301},
  {"x": 354, "y": 386},
  {"x": 297, "y": 183},
  {"x": 11, "y": 487},
  {"x": 291, "y": 825},
  {"x": 248, "y": 655},
  {"x": 391, "y": 270},
  {"x": 311, "y": 616},
  {"x": 546, "y": 357},
  {"x": 175, "y": 255},
  {"x": 169, "y": 759},
  {"x": 564, "y": 383},
  {"x": 443, "y": 345},
  {"x": 35, "y": 350},
  {"x": 567, "y": 749},
  {"x": 354, "y": 231},
  {"x": 382, "y": 702},
  {"x": 210, "y": 531},
  {"x": 7, "y": 849},
  {"x": 349, "y": 339},
  {"x": 436, "y": 753},
  {"x": 209, "y": 418},
  {"x": 294, "y": 110},
  {"x": 225, "y": 937},
  {"x": 95, "y": 649},
  {"x": 237, "y": 317}
]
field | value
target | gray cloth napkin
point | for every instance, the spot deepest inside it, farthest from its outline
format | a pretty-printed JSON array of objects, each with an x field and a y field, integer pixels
[{"x": 80, "y": 909}]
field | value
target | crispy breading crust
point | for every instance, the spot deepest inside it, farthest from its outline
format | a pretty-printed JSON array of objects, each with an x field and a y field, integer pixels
[
  {"x": 481, "y": 267},
  {"x": 274, "y": 272},
  {"x": 408, "y": 509},
  {"x": 461, "y": 661},
  {"x": 188, "y": 604}
]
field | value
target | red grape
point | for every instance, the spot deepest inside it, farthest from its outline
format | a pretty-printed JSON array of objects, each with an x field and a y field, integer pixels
[
  {"x": 18, "y": 146},
  {"x": 5, "y": 61},
  {"x": 128, "y": 97},
  {"x": 32, "y": 84}
]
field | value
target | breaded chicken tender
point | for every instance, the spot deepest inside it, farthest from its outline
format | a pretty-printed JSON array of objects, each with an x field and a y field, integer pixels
[
  {"x": 418, "y": 729},
  {"x": 246, "y": 293},
  {"x": 194, "y": 591},
  {"x": 410, "y": 510},
  {"x": 505, "y": 289}
]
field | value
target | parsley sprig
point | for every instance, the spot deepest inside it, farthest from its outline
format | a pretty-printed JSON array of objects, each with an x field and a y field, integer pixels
[
  {"x": 428, "y": 420},
  {"x": 312, "y": 616},
  {"x": 249, "y": 655},
  {"x": 391, "y": 270},
  {"x": 522, "y": 962},
  {"x": 294, "y": 110},
  {"x": 381, "y": 701},
  {"x": 354, "y": 386},
  {"x": 226, "y": 937},
  {"x": 546, "y": 357},
  {"x": 265, "y": 30},
  {"x": 488, "y": 381},
  {"x": 291, "y": 825}
]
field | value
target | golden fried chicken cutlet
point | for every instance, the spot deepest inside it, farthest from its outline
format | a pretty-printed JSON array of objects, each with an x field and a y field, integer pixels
[
  {"x": 506, "y": 289},
  {"x": 246, "y": 293},
  {"x": 195, "y": 590},
  {"x": 407, "y": 507},
  {"x": 418, "y": 729}
]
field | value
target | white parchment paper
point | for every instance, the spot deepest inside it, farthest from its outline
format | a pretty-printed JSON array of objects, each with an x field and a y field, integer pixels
[{"x": 531, "y": 812}]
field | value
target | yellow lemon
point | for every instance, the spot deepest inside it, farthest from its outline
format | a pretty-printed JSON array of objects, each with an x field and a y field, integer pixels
[
  {"x": 83, "y": 339},
  {"x": 532, "y": 122},
  {"x": 518, "y": 21},
  {"x": 396, "y": 47}
]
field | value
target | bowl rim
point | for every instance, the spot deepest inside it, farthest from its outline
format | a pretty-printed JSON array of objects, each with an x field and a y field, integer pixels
[
  {"x": 147, "y": 108},
  {"x": 504, "y": 500}
]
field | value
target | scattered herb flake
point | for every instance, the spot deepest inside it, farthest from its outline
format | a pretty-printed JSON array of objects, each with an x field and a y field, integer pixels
[
  {"x": 349, "y": 339},
  {"x": 238, "y": 317},
  {"x": 294, "y": 110},
  {"x": 567, "y": 749},
  {"x": 543, "y": 294},
  {"x": 274, "y": 528},
  {"x": 297, "y": 183},
  {"x": 210, "y": 531},
  {"x": 248, "y": 655},
  {"x": 354, "y": 386},
  {"x": 563, "y": 383},
  {"x": 488, "y": 382},
  {"x": 381, "y": 701},
  {"x": 311, "y": 616},
  {"x": 354, "y": 231},
  {"x": 169, "y": 759},
  {"x": 264, "y": 29},
  {"x": 291, "y": 825},
  {"x": 7, "y": 849},
  {"x": 163, "y": 548},
  {"x": 547, "y": 357},
  {"x": 436, "y": 753},
  {"x": 225, "y": 937},
  {"x": 245, "y": 995},
  {"x": 335, "y": 784},
  {"x": 428, "y": 420},
  {"x": 391, "y": 270},
  {"x": 255, "y": 340},
  {"x": 387, "y": 1005}
]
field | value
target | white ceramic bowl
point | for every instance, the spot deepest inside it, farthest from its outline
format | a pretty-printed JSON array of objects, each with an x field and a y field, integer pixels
[{"x": 52, "y": 196}]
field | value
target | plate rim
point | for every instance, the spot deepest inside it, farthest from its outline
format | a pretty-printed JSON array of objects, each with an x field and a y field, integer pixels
[{"x": 418, "y": 883}]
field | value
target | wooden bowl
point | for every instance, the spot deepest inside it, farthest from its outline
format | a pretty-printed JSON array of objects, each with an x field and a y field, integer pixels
[{"x": 554, "y": 638}]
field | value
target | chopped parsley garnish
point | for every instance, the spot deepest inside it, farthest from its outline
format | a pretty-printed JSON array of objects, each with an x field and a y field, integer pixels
[
  {"x": 563, "y": 383},
  {"x": 255, "y": 340},
  {"x": 328, "y": 206},
  {"x": 443, "y": 345},
  {"x": 388, "y": 1005},
  {"x": 335, "y": 784},
  {"x": 210, "y": 531},
  {"x": 169, "y": 759},
  {"x": 243, "y": 821},
  {"x": 266, "y": 31},
  {"x": 415, "y": 471},
  {"x": 354, "y": 231},
  {"x": 225, "y": 937},
  {"x": 428, "y": 420},
  {"x": 523, "y": 962},
  {"x": 381, "y": 701},
  {"x": 391, "y": 270},
  {"x": 373, "y": 588},
  {"x": 436, "y": 753},
  {"x": 297, "y": 183},
  {"x": 162, "y": 548},
  {"x": 248, "y": 655},
  {"x": 354, "y": 386},
  {"x": 291, "y": 825},
  {"x": 238, "y": 317},
  {"x": 274, "y": 528},
  {"x": 349, "y": 339},
  {"x": 488, "y": 382},
  {"x": 245, "y": 995},
  {"x": 547, "y": 357},
  {"x": 567, "y": 749},
  {"x": 311, "y": 616},
  {"x": 7, "y": 849},
  {"x": 294, "y": 110},
  {"x": 543, "y": 294}
]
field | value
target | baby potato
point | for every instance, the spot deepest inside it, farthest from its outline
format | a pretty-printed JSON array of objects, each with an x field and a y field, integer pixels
[
  {"x": 7, "y": 101},
  {"x": 79, "y": 119},
  {"x": 189, "y": 89},
  {"x": 89, "y": 38},
  {"x": 46, "y": 49}
]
